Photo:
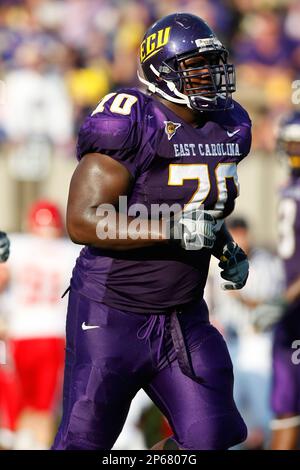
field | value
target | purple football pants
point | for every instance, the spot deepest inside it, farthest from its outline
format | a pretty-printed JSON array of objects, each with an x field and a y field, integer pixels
[{"x": 107, "y": 365}]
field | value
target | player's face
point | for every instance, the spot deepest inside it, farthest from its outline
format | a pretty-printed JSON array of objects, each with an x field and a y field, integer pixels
[
  {"x": 292, "y": 149},
  {"x": 198, "y": 75}
]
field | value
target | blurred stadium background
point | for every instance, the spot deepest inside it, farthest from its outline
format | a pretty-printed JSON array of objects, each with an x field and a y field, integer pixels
[{"x": 59, "y": 57}]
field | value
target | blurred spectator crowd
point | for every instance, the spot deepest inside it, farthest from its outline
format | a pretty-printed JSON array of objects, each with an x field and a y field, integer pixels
[{"x": 59, "y": 57}]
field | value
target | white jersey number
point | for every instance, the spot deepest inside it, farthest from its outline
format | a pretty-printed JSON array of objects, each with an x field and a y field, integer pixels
[
  {"x": 287, "y": 212},
  {"x": 199, "y": 171},
  {"x": 121, "y": 104}
]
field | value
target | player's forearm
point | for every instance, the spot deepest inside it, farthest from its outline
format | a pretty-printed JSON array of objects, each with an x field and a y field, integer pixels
[
  {"x": 115, "y": 231},
  {"x": 293, "y": 292},
  {"x": 223, "y": 237}
]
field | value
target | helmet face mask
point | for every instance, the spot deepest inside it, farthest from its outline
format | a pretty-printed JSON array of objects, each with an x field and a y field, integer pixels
[
  {"x": 203, "y": 77},
  {"x": 189, "y": 66}
]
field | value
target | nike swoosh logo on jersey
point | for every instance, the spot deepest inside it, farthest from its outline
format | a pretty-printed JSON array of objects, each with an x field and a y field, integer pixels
[
  {"x": 231, "y": 134},
  {"x": 88, "y": 327}
]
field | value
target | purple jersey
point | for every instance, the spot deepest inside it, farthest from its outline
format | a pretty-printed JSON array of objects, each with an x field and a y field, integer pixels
[
  {"x": 171, "y": 162},
  {"x": 289, "y": 229},
  {"x": 286, "y": 377}
]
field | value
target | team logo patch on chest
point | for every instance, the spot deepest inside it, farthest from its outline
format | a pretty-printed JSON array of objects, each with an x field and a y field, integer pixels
[{"x": 171, "y": 128}]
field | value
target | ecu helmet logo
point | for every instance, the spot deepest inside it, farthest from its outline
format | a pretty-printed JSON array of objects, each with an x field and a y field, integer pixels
[
  {"x": 171, "y": 128},
  {"x": 154, "y": 43}
]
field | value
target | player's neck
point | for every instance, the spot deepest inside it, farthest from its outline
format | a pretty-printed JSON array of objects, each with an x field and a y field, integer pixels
[{"x": 188, "y": 115}]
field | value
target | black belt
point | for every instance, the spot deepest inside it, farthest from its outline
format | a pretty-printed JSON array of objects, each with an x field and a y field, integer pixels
[{"x": 183, "y": 356}]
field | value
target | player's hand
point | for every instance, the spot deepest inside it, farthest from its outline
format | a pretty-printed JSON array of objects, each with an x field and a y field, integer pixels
[
  {"x": 194, "y": 229},
  {"x": 235, "y": 267},
  {"x": 4, "y": 247},
  {"x": 266, "y": 315}
]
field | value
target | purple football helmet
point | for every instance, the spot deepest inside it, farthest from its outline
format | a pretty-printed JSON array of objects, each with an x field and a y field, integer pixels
[
  {"x": 288, "y": 139},
  {"x": 184, "y": 62}
]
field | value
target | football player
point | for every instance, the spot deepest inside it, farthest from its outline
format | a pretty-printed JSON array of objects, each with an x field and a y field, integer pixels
[
  {"x": 4, "y": 247},
  {"x": 136, "y": 315},
  {"x": 286, "y": 367}
]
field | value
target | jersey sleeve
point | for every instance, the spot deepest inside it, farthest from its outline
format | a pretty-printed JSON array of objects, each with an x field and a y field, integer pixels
[
  {"x": 245, "y": 137},
  {"x": 113, "y": 130},
  {"x": 245, "y": 145}
]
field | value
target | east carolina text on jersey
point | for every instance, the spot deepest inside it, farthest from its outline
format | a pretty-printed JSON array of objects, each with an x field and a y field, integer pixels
[{"x": 207, "y": 150}]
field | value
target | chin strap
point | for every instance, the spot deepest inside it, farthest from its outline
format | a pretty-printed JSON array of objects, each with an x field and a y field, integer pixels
[
  {"x": 182, "y": 99},
  {"x": 154, "y": 89}
]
